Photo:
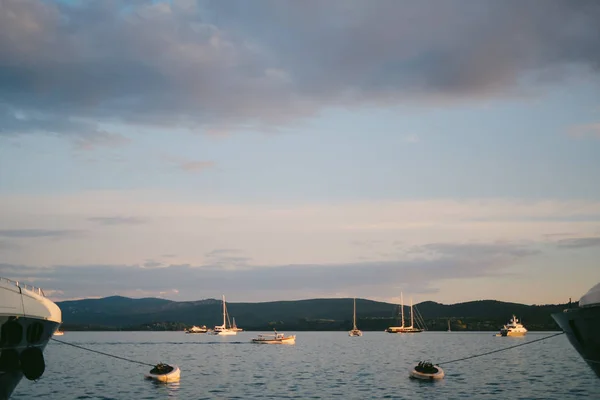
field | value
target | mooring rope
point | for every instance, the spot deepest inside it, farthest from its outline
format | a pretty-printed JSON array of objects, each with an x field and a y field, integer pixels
[
  {"x": 499, "y": 350},
  {"x": 103, "y": 353}
]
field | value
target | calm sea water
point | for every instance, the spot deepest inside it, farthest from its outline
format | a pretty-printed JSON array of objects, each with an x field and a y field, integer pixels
[{"x": 321, "y": 365}]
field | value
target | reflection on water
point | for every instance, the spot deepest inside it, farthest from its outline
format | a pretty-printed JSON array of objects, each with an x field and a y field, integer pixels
[
  {"x": 322, "y": 365},
  {"x": 163, "y": 390}
]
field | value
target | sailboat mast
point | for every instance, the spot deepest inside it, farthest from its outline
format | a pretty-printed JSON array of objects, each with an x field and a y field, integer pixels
[
  {"x": 224, "y": 312},
  {"x": 354, "y": 318},
  {"x": 402, "y": 308},
  {"x": 411, "y": 314}
]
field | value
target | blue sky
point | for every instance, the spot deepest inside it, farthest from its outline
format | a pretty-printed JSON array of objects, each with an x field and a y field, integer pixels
[{"x": 200, "y": 148}]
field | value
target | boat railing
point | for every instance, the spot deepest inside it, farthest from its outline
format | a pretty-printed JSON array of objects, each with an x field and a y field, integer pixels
[{"x": 31, "y": 288}]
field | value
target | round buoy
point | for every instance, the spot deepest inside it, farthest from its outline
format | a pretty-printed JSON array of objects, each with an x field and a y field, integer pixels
[
  {"x": 32, "y": 363},
  {"x": 164, "y": 373},
  {"x": 427, "y": 371}
]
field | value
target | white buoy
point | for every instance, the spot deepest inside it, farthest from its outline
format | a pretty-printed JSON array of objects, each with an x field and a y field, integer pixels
[
  {"x": 164, "y": 373},
  {"x": 427, "y": 371}
]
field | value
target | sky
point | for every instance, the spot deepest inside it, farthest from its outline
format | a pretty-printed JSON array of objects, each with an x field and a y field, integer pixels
[{"x": 280, "y": 150}]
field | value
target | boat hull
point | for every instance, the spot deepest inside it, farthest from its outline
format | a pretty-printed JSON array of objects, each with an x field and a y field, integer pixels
[
  {"x": 172, "y": 376},
  {"x": 27, "y": 322},
  {"x": 355, "y": 333},
  {"x": 223, "y": 333},
  {"x": 197, "y": 329},
  {"x": 271, "y": 340},
  {"x": 511, "y": 333},
  {"x": 10, "y": 378},
  {"x": 582, "y": 327},
  {"x": 427, "y": 377},
  {"x": 393, "y": 329}
]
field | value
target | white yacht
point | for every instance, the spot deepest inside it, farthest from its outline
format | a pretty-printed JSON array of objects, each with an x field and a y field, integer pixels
[
  {"x": 27, "y": 321},
  {"x": 223, "y": 330},
  {"x": 513, "y": 328}
]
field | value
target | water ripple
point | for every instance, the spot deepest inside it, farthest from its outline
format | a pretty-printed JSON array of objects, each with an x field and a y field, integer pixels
[{"x": 321, "y": 365}]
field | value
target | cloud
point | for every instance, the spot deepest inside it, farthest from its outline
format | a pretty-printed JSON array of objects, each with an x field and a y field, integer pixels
[
  {"x": 578, "y": 243},
  {"x": 116, "y": 220},
  {"x": 586, "y": 131},
  {"x": 220, "y": 252},
  {"x": 37, "y": 233},
  {"x": 7, "y": 245},
  {"x": 189, "y": 165},
  {"x": 251, "y": 282},
  {"x": 85, "y": 135},
  {"x": 274, "y": 234},
  {"x": 498, "y": 250},
  {"x": 227, "y": 258},
  {"x": 153, "y": 264},
  {"x": 196, "y": 166},
  {"x": 101, "y": 139},
  {"x": 411, "y": 138},
  {"x": 551, "y": 236},
  {"x": 70, "y": 67}
]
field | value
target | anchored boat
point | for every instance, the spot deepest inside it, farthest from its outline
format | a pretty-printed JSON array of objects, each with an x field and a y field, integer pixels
[
  {"x": 276, "y": 338},
  {"x": 223, "y": 330},
  {"x": 402, "y": 328},
  {"x": 197, "y": 329},
  {"x": 513, "y": 328},
  {"x": 582, "y": 326},
  {"x": 235, "y": 327},
  {"x": 355, "y": 331},
  {"x": 27, "y": 322}
]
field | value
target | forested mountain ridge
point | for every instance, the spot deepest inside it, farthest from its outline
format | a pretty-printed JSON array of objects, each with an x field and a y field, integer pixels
[{"x": 122, "y": 313}]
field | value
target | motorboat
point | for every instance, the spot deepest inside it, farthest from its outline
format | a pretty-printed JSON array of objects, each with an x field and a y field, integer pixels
[
  {"x": 164, "y": 373},
  {"x": 275, "y": 338},
  {"x": 197, "y": 329},
  {"x": 582, "y": 327},
  {"x": 27, "y": 322},
  {"x": 513, "y": 328}
]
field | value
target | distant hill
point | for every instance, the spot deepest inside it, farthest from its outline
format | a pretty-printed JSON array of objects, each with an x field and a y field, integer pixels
[{"x": 122, "y": 313}]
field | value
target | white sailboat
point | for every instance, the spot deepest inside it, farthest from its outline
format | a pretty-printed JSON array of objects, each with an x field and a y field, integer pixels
[
  {"x": 402, "y": 328},
  {"x": 235, "y": 327},
  {"x": 355, "y": 331},
  {"x": 223, "y": 330}
]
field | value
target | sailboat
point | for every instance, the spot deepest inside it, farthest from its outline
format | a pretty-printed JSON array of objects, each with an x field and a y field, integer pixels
[
  {"x": 449, "y": 330},
  {"x": 355, "y": 331},
  {"x": 222, "y": 329},
  {"x": 235, "y": 327},
  {"x": 402, "y": 328}
]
